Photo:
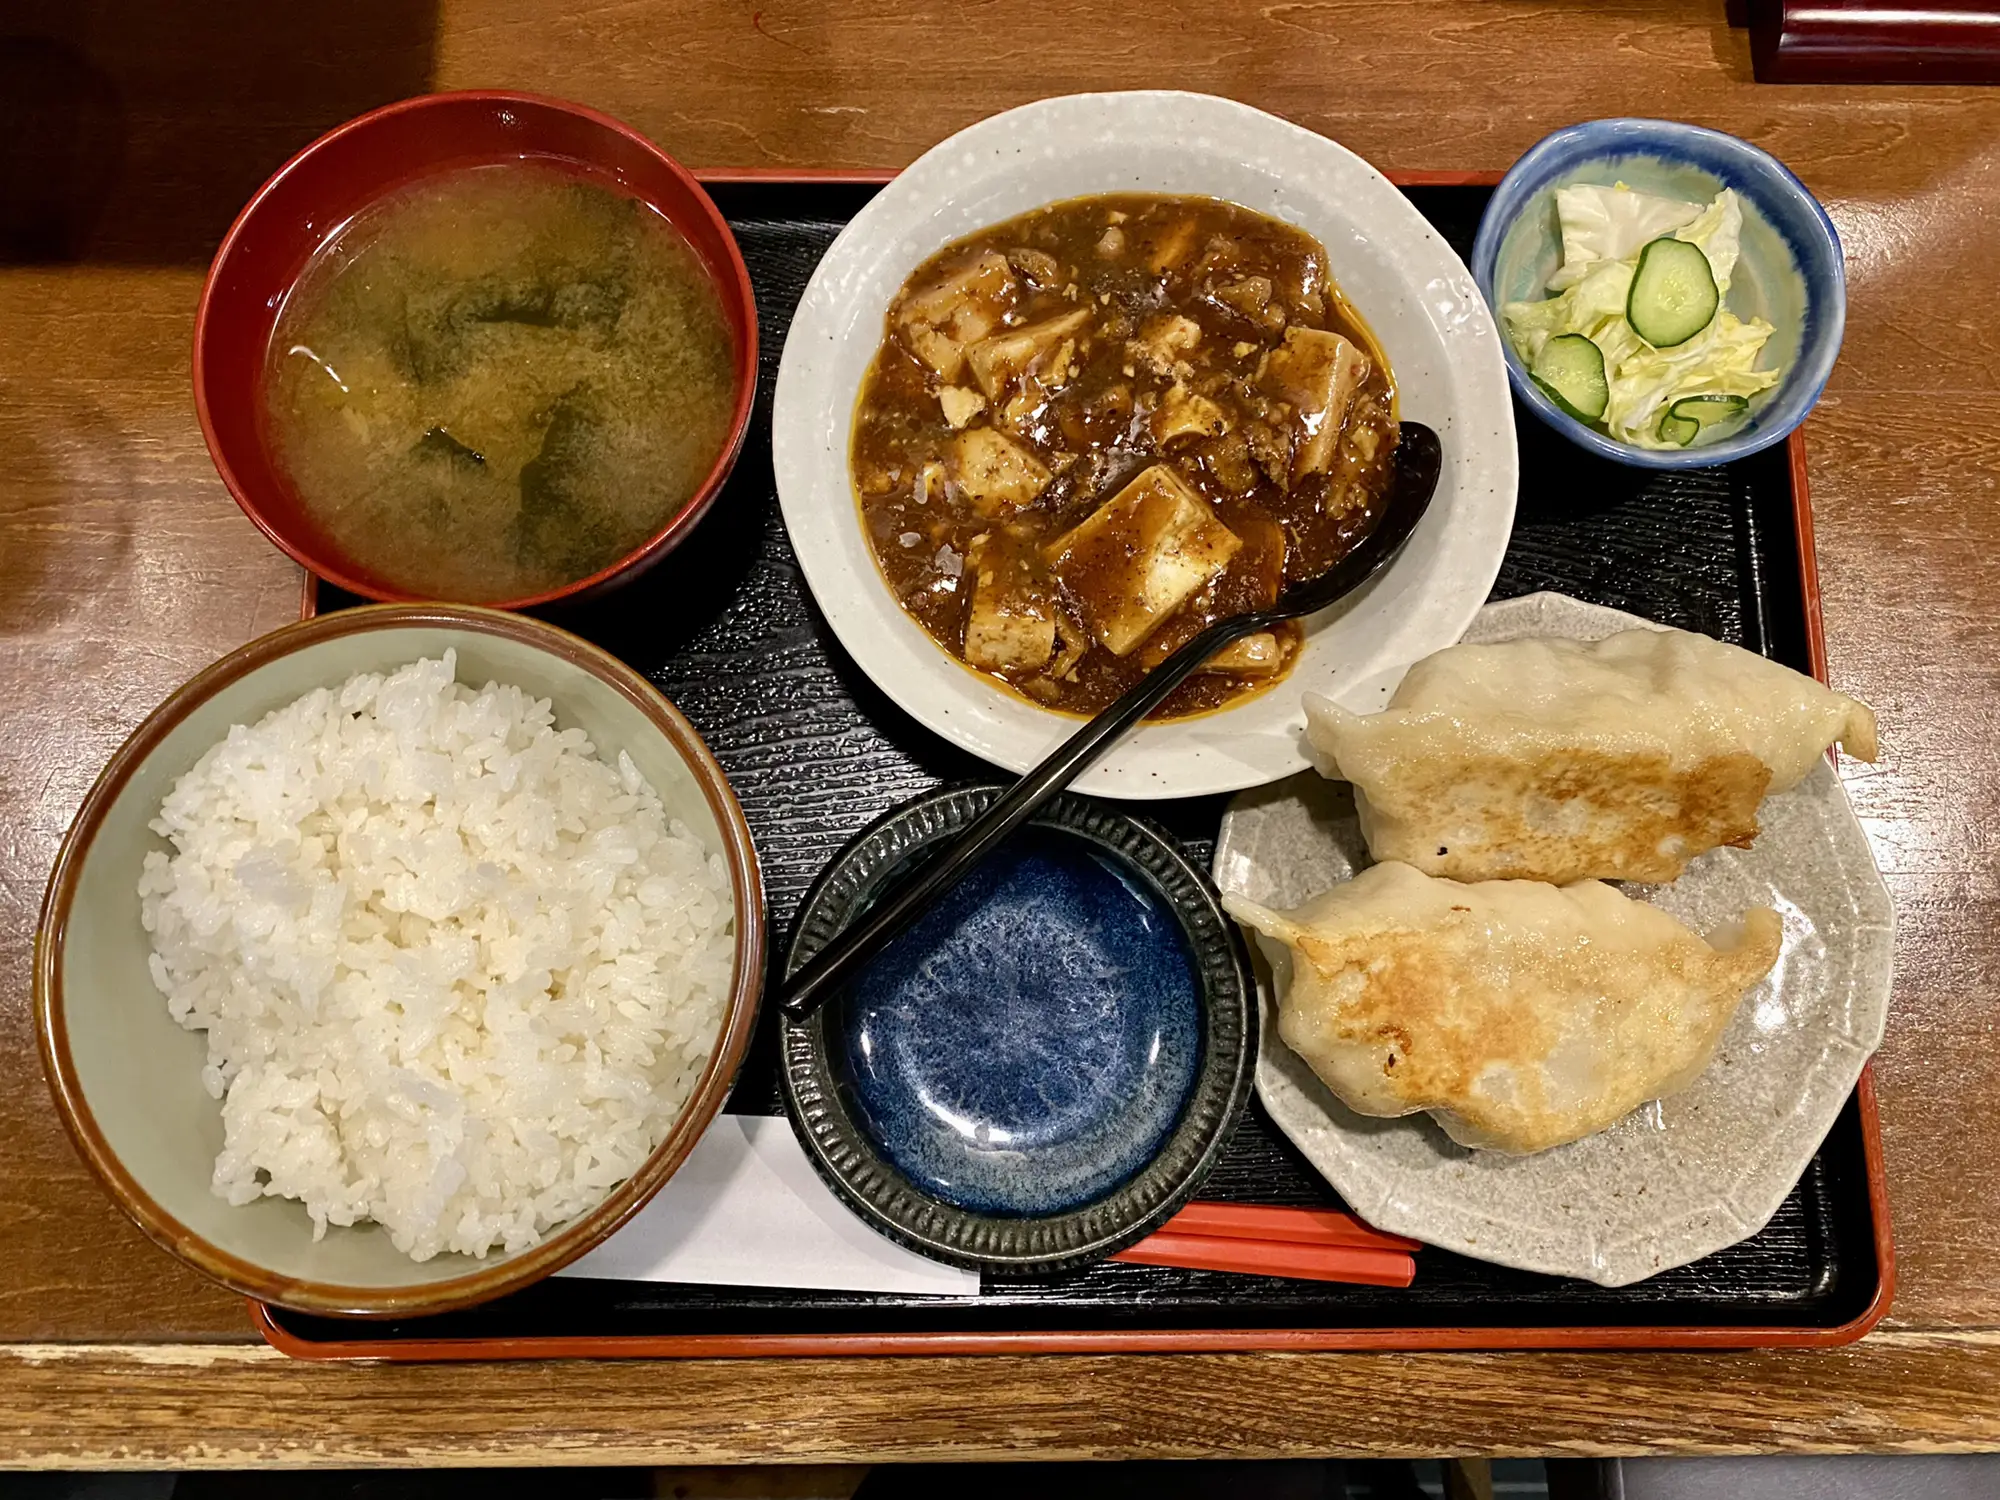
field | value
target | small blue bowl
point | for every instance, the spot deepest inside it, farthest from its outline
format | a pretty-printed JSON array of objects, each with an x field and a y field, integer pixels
[
  {"x": 1790, "y": 271},
  {"x": 1043, "y": 1068}
]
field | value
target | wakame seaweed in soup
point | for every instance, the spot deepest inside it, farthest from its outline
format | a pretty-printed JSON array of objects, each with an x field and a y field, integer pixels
[{"x": 498, "y": 381}]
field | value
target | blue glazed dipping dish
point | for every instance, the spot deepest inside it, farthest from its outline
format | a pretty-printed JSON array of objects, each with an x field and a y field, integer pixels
[
  {"x": 1790, "y": 270},
  {"x": 1043, "y": 1068}
]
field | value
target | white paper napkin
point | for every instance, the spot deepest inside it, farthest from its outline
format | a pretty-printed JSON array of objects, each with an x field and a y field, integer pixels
[{"x": 747, "y": 1209}]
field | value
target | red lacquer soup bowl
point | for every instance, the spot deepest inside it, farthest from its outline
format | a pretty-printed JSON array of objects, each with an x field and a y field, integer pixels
[{"x": 318, "y": 192}]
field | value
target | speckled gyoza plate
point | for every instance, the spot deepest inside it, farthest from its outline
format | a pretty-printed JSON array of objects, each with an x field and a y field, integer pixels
[{"x": 1676, "y": 1179}]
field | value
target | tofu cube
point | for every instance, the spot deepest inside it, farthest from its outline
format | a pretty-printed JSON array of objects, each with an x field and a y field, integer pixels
[
  {"x": 1162, "y": 342},
  {"x": 1319, "y": 373},
  {"x": 1003, "y": 358},
  {"x": 1011, "y": 625},
  {"x": 1256, "y": 655},
  {"x": 1183, "y": 414},
  {"x": 1249, "y": 295},
  {"x": 998, "y": 475},
  {"x": 960, "y": 405},
  {"x": 1140, "y": 556},
  {"x": 960, "y": 308},
  {"x": 1171, "y": 246}
]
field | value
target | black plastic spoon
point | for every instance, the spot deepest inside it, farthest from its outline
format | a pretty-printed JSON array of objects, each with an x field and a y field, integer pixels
[{"x": 1419, "y": 457}]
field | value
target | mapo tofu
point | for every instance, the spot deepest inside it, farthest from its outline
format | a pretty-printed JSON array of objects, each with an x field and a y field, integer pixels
[{"x": 1094, "y": 429}]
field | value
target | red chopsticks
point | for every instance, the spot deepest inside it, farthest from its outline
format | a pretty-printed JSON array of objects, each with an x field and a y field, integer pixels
[
  {"x": 1310, "y": 1243},
  {"x": 1303, "y": 1226}
]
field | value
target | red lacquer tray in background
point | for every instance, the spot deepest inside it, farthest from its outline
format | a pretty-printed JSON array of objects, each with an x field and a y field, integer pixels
[{"x": 760, "y": 197}]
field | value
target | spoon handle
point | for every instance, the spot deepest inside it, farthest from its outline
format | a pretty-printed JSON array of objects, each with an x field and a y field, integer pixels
[{"x": 822, "y": 975}]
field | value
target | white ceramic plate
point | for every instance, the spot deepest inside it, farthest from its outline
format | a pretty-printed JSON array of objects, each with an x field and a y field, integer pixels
[
  {"x": 1677, "y": 1179},
  {"x": 1415, "y": 292}
]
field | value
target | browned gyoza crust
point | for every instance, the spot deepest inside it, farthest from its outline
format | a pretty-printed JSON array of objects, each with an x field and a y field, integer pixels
[
  {"x": 1542, "y": 758},
  {"x": 1647, "y": 817},
  {"x": 1523, "y": 1015}
]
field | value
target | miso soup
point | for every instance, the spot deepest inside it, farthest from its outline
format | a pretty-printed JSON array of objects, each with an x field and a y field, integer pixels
[{"x": 499, "y": 381}]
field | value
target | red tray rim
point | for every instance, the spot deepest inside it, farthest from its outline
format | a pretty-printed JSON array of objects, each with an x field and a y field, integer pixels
[{"x": 1195, "y": 1340}]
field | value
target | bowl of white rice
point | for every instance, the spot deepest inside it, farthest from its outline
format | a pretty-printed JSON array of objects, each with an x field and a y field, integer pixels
[{"x": 399, "y": 958}]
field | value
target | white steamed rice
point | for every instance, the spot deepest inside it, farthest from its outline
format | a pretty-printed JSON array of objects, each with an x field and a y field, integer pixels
[{"x": 458, "y": 975}]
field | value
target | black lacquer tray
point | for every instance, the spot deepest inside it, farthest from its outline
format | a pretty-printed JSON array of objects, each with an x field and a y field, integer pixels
[{"x": 727, "y": 629}]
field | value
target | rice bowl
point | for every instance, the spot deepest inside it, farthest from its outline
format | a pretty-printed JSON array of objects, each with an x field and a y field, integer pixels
[
  {"x": 369, "y": 1123},
  {"x": 457, "y": 973}
]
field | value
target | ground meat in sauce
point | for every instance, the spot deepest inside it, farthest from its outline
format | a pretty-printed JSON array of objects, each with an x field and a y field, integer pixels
[{"x": 1094, "y": 429}]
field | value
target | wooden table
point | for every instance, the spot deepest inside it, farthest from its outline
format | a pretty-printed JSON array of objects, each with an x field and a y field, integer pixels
[{"x": 131, "y": 132}]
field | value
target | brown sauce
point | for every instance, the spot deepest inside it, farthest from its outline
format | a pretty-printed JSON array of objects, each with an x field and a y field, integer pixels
[{"x": 1094, "y": 429}]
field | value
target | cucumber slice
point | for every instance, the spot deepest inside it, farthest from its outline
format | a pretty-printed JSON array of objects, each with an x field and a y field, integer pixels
[
  {"x": 1673, "y": 294},
  {"x": 1708, "y": 411},
  {"x": 1686, "y": 419},
  {"x": 1571, "y": 370}
]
